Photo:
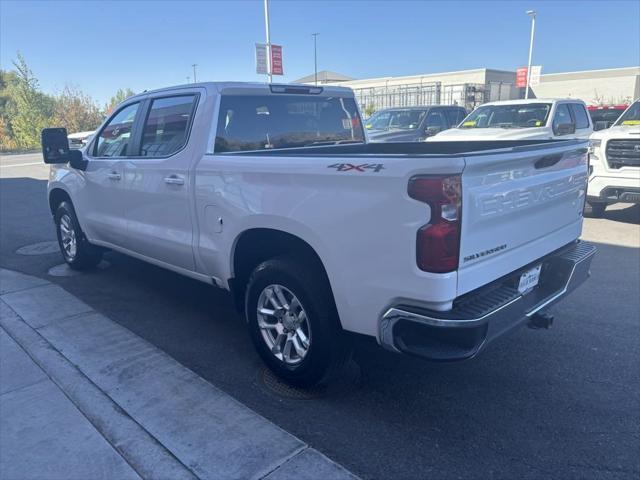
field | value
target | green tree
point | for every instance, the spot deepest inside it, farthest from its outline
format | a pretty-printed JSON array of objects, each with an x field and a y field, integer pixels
[
  {"x": 369, "y": 110},
  {"x": 120, "y": 96},
  {"x": 7, "y": 141},
  {"x": 28, "y": 109},
  {"x": 76, "y": 111}
]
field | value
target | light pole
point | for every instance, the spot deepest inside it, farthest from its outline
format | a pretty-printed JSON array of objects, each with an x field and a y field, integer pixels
[
  {"x": 315, "y": 57},
  {"x": 532, "y": 14},
  {"x": 194, "y": 72},
  {"x": 266, "y": 26}
]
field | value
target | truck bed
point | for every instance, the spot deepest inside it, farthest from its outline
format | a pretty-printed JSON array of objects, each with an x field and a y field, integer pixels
[{"x": 408, "y": 148}]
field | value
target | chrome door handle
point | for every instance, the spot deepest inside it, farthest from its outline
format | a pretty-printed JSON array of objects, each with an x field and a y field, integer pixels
[
  {"x": 114, "y": 176},
  {"x": 174, "y": 180}
]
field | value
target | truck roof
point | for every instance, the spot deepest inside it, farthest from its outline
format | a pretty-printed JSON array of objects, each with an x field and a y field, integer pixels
[
  {"x": 533, "y": 100},
  {"x": 255, "y": 87}
]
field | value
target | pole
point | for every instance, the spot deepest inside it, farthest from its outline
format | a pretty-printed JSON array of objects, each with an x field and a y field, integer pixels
[
  {"x": 266, "y": 25},
  {"x": 194, "y": 72},
  {"x": 532, "y": 14},
  {"x": 315, "y": 57}
]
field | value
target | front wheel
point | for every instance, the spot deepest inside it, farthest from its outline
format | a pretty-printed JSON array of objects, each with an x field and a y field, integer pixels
[
  {"x": 76, "y": 250},
  {"x": 293, "y": 321}
]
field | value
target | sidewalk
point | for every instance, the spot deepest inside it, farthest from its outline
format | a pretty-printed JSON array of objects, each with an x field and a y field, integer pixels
[{"x": 82, "y": 397}]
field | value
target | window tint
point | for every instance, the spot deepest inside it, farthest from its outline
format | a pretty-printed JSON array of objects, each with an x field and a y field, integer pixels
[
  {"x": 378, "y": 121},
  {"x": 114, "y": 138},
  {"x": 256, "y": 122},
  {"x": 165, "y": 131},
  {"x": 436, "y": 119},
  {"x": 580, "y": 115},
  {"x": 562, "y": 116},
  {"x": 508, "y": 116}
]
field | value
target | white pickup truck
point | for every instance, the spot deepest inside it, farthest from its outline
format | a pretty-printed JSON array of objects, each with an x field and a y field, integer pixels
[
  {"x": 272, "y": 192},
  {"x": 614, "y": 162},
  {"x": 533, "y": 119}
]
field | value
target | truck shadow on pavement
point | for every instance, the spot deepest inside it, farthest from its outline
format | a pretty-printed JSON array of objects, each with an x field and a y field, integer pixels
[
  {"x": 630, "y": 214},
  {"x": 536, "y": 403}
]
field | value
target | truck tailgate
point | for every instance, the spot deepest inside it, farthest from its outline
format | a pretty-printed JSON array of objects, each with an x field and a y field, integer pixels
[{"x": 519, "y": 205}]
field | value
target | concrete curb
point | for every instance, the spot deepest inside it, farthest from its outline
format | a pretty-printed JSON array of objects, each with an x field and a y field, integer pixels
[{"x": 166, "y": 421}]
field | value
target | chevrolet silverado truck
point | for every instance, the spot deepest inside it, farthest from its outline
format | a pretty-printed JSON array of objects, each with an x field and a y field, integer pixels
[
  {"x": 273, "y": 193},
  {"x": 614, "y": 163}
]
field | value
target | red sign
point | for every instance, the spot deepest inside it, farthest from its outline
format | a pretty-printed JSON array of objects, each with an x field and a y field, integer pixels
[
  {"x": 521, "y": 77},
  {"x": 276, "y": 60}
]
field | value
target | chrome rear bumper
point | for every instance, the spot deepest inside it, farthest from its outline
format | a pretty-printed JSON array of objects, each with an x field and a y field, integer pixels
[{"x": 483, "y": 315}]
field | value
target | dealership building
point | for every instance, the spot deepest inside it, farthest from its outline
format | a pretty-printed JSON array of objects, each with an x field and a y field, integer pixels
[{"x": 470, "y": 88}]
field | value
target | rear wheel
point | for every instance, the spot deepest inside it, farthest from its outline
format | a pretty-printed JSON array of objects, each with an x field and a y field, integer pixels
[
  {"x": 597, "y": 209},
  {"x": 293, "y": 321},
  {"x": 76, "y": 250}
]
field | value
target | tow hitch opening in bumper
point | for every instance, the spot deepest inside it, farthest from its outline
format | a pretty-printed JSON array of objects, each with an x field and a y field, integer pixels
[{"x": 485, "y": 314}]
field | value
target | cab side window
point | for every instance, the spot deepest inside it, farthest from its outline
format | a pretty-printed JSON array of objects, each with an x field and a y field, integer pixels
[
  {"x": 114, "y": 138},
  {"x": 167, "y": 125},
  {"x": 435, "y": 119},
  {"x": 580, "y": 114},
  {"x": 562, "y": 116}
]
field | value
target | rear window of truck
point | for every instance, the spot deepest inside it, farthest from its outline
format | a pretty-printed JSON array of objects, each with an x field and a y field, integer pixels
[{"x": 259, "y": 122}]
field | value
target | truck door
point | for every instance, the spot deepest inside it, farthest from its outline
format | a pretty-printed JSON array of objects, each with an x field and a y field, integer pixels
[
  {"x": 158, "y": 186},
  {"x": 99, "y": 203}
]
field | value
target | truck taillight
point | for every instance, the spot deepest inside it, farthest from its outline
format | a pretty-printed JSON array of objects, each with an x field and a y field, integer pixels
[{"x": 438, "y": 242}]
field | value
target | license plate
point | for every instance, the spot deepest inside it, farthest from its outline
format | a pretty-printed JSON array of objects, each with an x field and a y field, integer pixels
[{"x": 529, "y": 279}]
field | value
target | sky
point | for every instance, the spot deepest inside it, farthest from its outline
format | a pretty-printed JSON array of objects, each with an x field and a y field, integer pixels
[{"x": 100, "y": 46}]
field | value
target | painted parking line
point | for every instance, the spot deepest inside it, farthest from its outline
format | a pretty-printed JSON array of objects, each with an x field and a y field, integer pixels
[{"x": 21, "y": 165}]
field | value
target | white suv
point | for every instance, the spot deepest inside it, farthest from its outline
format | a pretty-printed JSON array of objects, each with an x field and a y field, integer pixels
[{"x": 614, "y": 174}]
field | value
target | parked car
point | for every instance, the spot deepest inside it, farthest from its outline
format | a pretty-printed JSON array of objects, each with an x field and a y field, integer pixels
[
  {"x": 272, "y": 192},
  {"x": 412, "y": 124},
  {"x": 603, "y": 116},
  {"x": 79, "y": 139},
  {"x": 615, "y": 162},
  {"x": 543, "y": 119}
]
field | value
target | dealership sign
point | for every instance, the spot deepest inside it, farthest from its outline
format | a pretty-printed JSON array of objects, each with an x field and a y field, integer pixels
[
  {"x": 276, "y": 60},
  {"x": 534, "y": 79},
  {"x": 262, "y": 65},
  {"x": 261, "y": 59},
  {"x": 521, "y": 76}
]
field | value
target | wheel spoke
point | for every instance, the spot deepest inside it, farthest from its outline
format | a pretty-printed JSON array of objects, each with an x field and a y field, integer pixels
[
  {"x": 281, "y": 297},
  {"x": 272, "y": 298},
  {"x": 286, "y": 353},
  {"x": 303, "y": 338},
  {"x": 277, "y": 349},
  {"x": 299, "y": 348},
  {"x": 267, "y": 311},
  {"x": 266, "y": 325}
]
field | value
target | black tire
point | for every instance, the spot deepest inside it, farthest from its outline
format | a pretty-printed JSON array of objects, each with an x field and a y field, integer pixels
[
  {"x": 328, "y": 348},
  {"x": 596, "y": 209},
  {"x": 85, "y": 255}
]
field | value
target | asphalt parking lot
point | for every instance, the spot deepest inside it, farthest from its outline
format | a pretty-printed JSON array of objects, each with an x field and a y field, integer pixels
[{"x": 563, "y": 403}]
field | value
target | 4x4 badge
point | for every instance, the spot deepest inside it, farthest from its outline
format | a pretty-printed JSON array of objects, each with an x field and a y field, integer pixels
[{"x": 345, "y": 167}]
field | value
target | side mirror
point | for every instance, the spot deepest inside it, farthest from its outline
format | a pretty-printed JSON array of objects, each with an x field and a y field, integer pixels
[
  {"x": 601, "y": 125},
  {"x": 565, "y": 129},
  {"x": 77, "y": 160},
  {"x": 432, "y": 130},
  {"x": 55, "y": 149},
  {"x": 55, "y": 145}
]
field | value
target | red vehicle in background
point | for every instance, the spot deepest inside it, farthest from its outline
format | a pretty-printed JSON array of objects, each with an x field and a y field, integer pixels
[{"x": 603, "y": 116}]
